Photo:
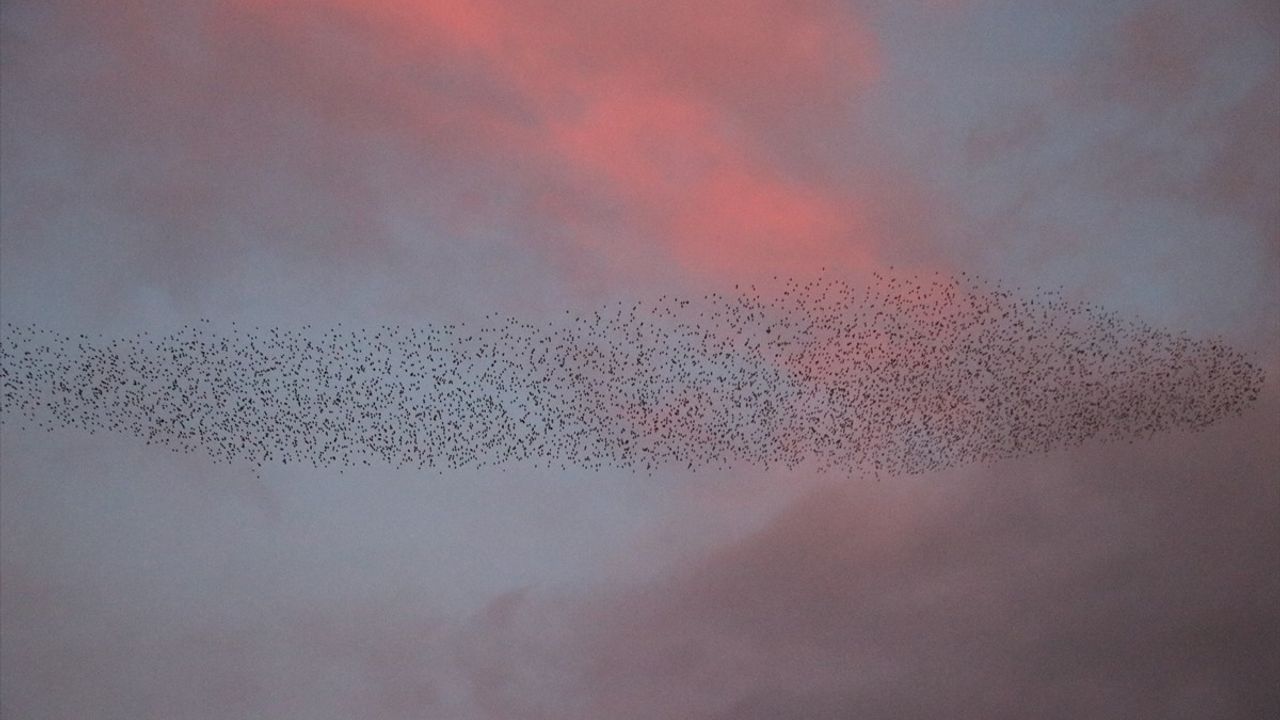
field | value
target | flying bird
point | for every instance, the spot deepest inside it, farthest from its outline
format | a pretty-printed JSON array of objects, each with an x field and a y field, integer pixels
[{"x": 894, "y": 376}]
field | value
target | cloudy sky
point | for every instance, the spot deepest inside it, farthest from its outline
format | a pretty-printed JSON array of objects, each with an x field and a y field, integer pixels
[{"x": 284, "y": 162}]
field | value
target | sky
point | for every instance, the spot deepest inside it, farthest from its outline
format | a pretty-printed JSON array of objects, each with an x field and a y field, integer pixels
[{"x": 283, "y": 163}]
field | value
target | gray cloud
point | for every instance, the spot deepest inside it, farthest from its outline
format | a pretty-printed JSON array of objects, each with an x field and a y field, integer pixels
[
  {"x": 1120, "y": 581},
  {"x": 277, "y": 165}
]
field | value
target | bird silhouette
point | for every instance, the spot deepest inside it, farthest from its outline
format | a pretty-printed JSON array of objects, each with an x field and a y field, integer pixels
[{"x": 899, "y": 375}]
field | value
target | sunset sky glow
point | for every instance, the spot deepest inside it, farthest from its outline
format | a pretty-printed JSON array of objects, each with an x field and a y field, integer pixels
[{"x": 287, "y": 163}]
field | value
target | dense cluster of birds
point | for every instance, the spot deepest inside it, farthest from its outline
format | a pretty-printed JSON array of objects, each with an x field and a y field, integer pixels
[{"x": 892, "y": 376}]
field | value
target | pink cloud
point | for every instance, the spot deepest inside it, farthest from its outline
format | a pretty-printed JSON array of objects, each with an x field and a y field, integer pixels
[{"x": 668, "y": 112}]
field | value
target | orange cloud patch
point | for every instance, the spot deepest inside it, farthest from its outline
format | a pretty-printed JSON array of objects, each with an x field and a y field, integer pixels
[
  {"x": 690, "y": 180},
  {"x": 669, "y": 110}
]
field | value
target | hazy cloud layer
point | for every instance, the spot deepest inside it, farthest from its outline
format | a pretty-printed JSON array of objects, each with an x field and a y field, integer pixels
[
  {"x": 1120, "y": 581},
  {"x": 386, "y": 161}
]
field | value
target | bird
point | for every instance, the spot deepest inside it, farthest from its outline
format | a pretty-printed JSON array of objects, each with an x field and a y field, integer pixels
[{"x": 900, "y": 375}]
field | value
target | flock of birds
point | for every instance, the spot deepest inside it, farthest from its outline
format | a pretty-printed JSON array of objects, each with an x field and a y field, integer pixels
[{"x": 895, "y": 376}]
